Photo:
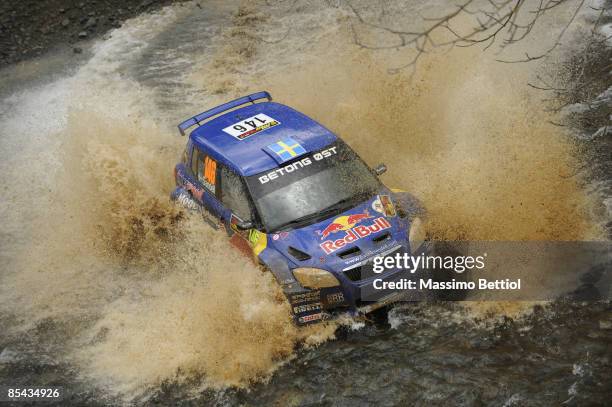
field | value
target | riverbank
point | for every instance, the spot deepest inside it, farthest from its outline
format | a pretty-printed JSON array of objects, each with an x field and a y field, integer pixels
[{"x": 31, "y": 28}]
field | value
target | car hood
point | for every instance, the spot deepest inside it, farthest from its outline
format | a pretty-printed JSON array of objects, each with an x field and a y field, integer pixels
[{"x": 370, "y": 228}]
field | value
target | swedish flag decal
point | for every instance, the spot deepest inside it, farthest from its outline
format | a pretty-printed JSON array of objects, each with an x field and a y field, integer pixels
[{"x": 285, "y": 150}]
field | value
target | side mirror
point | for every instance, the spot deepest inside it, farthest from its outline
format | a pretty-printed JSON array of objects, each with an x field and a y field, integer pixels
[
  {"x": 380, "y": 169},
  {"x": 245, "y": 225}
]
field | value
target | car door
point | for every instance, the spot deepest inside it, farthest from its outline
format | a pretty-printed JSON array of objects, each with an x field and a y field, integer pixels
[{"x": 237, "y": 203}]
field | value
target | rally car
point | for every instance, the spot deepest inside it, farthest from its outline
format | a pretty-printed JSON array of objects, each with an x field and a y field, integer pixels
[{"x": 301, "y": 202}]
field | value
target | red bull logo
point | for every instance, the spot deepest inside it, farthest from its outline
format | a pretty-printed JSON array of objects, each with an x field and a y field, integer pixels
[
  {"x": 341, "y": 223},
  {"x": 353, "y": 234}
]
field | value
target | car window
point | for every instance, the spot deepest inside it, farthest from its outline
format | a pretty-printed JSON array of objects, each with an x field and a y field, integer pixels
[
  {"x": 194, "y": 161},
  {"x": 205, "y": 169},
  {"x": 234, "y": 194},
  {"x": 185, "y": 156}
]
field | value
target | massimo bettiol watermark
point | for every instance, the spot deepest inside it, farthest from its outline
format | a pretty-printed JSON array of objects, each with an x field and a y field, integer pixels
[
  {"x": 456, "y": 264},
  {"x": 491, "y": 270}
]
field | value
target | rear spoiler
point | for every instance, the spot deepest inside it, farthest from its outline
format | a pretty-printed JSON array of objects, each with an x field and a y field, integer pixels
[{"x": 198, "y": 119}]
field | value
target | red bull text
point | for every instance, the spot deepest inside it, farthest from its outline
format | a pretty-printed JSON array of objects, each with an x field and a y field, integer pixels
[{"x": 352, "y": 235}]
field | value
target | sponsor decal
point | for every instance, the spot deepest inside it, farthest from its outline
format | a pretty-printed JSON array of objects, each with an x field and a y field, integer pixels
[
  {"x": 195, "y": 191},
  {"x": 354, "y": 234},
  {"x": 377, "y": 205},
  {"x": 367, "y": 255},
  {"x": 295, "y": 166},
  {"x": 388, "y": 205},
  {"x": 281, "y": 235},
  {"x": 336, "y": 298},
  {"x": 382, "y": 204},
  {"x": 307, "y": 308},
  {"x": 312, "y": 296},
  {"x": 310, "y": 318},
  {"x": 254, "y": 236},
  {"x": 258, "y": 241},
  {"x": 209, "y": 177},
  {"x": 250, "y": 126},
  {"x": 341, "y": 223}
]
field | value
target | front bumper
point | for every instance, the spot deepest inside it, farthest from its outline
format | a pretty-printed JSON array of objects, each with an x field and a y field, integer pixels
[
  {"x": 361, "y": 294},
  {"x": 356, "y": 293}
]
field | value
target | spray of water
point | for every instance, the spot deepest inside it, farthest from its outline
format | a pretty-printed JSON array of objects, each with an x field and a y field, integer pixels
[{"x": 149, "y": 292}]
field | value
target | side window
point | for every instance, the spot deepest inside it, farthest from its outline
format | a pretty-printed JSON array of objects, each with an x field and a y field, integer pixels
[
  {"x": 185, "y": 156},
  {"x": 234, "y": 194},
  {"x": 194, "y": 161}
]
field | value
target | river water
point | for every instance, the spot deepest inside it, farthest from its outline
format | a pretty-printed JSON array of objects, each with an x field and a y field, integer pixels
[{"x": 122, "y": 298}]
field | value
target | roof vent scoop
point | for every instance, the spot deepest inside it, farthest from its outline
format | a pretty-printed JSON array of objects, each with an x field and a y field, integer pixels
[{"x": 298, "y": 254}]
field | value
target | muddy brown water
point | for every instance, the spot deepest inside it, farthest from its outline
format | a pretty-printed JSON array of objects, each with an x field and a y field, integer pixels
[{"x": 122, "y": 298}]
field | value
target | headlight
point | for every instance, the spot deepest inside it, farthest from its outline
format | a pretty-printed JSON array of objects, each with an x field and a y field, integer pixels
[
  {"x": 315, "y": 278},
  {"x": 417, "y": 234}
]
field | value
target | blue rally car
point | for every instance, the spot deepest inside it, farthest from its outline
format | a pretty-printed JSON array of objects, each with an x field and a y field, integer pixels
[{"x": 301, "y": 202}]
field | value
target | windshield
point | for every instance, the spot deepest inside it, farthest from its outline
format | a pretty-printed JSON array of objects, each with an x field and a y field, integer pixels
[{"x": 312, "y": 188}]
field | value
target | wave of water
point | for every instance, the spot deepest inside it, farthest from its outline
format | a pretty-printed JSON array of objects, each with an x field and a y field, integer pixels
[{"x": 133, "y": 292}]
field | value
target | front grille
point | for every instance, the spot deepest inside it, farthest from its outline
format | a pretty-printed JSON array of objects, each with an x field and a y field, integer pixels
[
  {"x": 361, "y": 273},
  {"x": 366, "y": 270},
  {"x": 353, "y": 274}
]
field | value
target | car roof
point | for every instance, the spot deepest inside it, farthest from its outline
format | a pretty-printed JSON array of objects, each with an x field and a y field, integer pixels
[{"x": 248, "y": 156}]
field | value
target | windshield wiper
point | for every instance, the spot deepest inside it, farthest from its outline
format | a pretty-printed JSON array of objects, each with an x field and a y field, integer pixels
[
  {"x": 318, "y": 215},
  {"x": 300, "y": 220},
  {"x": 334, "y": 207}
]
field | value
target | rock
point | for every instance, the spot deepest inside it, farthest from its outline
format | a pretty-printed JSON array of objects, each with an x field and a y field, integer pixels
[
  {"x": 605, "y": 324},
  {"x": 83, "y": 34},
  {"x": 8, "y": 356},
  {"x": 65, "y": 22},
  {"x": 91, "y": 22},
  {"x": 77, "y": 50}
]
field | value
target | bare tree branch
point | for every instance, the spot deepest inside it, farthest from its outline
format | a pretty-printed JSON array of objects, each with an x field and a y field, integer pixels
[{"x": 510, "y": 20}]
